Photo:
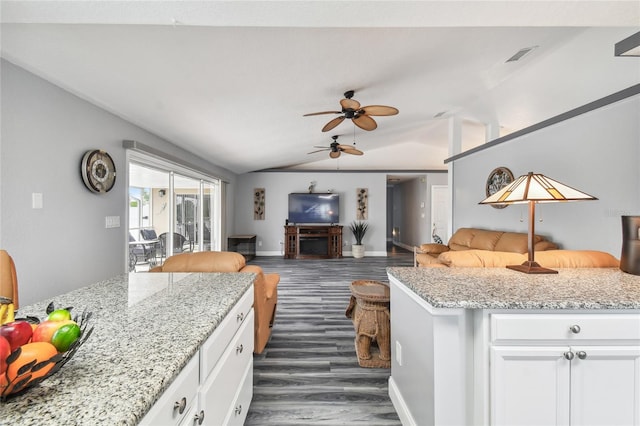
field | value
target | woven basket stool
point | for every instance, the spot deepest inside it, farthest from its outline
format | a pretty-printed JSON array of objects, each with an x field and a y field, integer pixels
[{"x": 369, "y": 310}]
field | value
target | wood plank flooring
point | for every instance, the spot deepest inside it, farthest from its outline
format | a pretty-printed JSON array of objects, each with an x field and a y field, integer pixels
[{"x": 309, "y": 372}]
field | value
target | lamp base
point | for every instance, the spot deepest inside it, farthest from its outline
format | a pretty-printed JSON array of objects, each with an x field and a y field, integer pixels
[{"x": 531, "y": 267}]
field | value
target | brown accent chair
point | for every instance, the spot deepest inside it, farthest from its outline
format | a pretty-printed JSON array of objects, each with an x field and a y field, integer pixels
[
  {"x": 265, "y": 286},
  {"x": 481, "y": 239},
  {"x": 8, "y": 278}
]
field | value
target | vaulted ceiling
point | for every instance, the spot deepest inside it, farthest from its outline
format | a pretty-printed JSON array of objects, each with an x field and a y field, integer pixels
[{"x": 231, "y": 81}]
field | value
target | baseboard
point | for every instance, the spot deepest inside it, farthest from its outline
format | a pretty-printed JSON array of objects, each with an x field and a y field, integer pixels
[{"x": 398, "y": 403}]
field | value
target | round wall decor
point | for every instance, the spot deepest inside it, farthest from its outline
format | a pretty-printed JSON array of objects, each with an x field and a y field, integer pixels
[
  {"x": 98, "y": 171},
  {"x": 498, "y": 179}
]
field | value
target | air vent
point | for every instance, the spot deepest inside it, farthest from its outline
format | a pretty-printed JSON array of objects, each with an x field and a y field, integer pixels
[
  {"x": 440, "y": 114},
  {"x": 520, "y": 53}
]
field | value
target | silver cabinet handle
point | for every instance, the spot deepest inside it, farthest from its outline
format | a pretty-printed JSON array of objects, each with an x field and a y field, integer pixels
[
  {"x": 180, "y": 405},
  {"x": 575, "y": 329},
  {"x": 568, "y": 355},
  {"x": 199, "y": 418},
  {"x": 240, "y": 317},
  {"x": 582, "y": 355},
  {"x": 238, "y": 410},
  {"x": 239, "y": 349}
]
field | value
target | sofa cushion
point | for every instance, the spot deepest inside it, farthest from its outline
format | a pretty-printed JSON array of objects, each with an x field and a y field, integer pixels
[
  {"x": 433, "y": 248},
  {"x": 485, "y": 240},
  {"x": 576, "y": 259},
  {"x": 461, "y": 239},
  {"x": 515, "y": 242},
  {"x": 205, "y": 261},
  {"x": 480, "y": 258}
]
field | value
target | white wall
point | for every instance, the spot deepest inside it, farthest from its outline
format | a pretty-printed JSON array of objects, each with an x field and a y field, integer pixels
[
  {"x": 45, "y": 132},
  {"x": 597, "y": 153}
]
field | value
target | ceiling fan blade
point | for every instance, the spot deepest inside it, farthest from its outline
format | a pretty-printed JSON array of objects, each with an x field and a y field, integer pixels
[
  {"x": 380, "y": 110},
  {"x": 323, "y": 112},
  {"x": 349, "y": 104},
  {"x": 333, "y": 123},
  {"x": 351, "y": 150},
  {"x": 364, "y": 122},
  {"x": 334, "y": 154},
  {"x": 318, "y": 150}
]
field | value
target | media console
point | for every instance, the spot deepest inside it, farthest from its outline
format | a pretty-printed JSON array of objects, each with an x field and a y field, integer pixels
[{"x": 312, "y": 241}]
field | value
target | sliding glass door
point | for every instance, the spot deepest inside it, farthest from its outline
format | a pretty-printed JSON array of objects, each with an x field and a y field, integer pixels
[{"x": 170, "y": 211}]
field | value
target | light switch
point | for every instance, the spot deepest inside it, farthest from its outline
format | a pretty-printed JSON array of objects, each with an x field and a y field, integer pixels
[
  {"x": 112, "y": 222},
  {"x": 37, "y": 200}
]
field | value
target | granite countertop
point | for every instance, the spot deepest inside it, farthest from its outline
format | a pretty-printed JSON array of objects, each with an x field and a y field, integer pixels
[
  {"x": 501, "y": 288},
  {"x": 146, "y": 328}
]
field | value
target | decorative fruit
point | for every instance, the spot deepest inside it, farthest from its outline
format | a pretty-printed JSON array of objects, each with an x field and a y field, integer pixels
[
  {"x": 17, "y": 333},
  {"x": 59, "y": 315},
  {"x": 38, "y": 355},
  {"x": 45, "y": 330},
  {"x": 64, "y": 337},
  {"x": 5, "y": 350}
]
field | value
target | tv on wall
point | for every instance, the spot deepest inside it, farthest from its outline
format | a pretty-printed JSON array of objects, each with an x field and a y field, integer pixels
[{"x": 314, "y": 208}]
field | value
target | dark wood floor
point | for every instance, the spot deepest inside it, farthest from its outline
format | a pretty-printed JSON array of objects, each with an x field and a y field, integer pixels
[{"x": 309, "y": 372}]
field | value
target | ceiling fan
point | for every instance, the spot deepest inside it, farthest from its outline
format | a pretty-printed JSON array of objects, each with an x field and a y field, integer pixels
[
  {"x": 361, "y": 116},
  {"x": 335, "y": 149}
]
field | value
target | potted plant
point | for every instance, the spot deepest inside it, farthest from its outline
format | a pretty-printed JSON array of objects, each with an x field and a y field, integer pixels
[{"x": 359, "y": 229}]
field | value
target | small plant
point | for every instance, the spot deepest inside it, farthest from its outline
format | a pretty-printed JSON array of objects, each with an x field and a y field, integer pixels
[{"x": 359, "y": 229}]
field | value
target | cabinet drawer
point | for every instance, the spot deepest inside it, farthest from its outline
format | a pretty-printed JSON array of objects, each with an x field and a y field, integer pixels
[
  {"x": 215, "y": 345},
  {"x": 166, "y": 410},
  {"x": 565, "y": 327},
  {"x": 220, "y": 390},
  {"x": 241, "y": 404}
]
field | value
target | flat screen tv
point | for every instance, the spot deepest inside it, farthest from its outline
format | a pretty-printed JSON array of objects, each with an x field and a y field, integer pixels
[{"x": 314, "y": 208}]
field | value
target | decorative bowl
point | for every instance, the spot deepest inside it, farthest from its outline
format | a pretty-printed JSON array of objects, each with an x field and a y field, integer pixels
[{"x": 33, "y": 372}]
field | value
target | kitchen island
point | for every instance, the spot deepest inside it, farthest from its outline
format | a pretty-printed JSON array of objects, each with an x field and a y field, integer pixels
[
  {"x": 147, "y": 328},
  {"x": 495, "y": 346}
]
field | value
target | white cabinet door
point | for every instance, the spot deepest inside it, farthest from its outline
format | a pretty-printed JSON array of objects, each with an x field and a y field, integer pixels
[
  {"x": 529, "y": 386},
  {"x": 605, "y": 385}
]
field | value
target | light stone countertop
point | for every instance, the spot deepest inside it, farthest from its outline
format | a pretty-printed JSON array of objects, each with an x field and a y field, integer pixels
[
  {"x": 502, "y": 288},
  {"x": 146, "y": 328}
]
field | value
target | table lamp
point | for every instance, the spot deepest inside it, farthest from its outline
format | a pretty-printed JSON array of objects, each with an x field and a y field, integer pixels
[{"x": 534, "y": 188}]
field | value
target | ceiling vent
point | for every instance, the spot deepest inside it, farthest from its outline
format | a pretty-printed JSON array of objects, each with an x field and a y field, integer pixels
[
  {"x": 440, "y": 114},
  {"x": 520, "y": 54}
]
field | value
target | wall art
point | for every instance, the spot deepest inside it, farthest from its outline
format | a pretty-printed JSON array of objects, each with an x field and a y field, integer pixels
[
  {"x": 258, "y": 203},
  {"x": 362, "y": 199}
]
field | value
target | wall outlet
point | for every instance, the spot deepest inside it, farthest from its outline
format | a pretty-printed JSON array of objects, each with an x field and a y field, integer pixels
[{"x": 260, "y": 243}]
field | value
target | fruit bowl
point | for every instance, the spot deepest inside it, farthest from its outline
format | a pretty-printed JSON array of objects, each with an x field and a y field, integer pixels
[{"x": 32, "y": 362}]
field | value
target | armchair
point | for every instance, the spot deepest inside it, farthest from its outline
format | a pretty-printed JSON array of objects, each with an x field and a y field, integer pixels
[
  {"x": 265, "y": 286},
  {"x": 8, "y": 278}
]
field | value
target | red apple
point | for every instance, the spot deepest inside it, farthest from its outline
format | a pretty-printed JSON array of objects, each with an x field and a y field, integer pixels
[
  {"x": 18, "y": 333},
  {"x": 5, "y": 351}
]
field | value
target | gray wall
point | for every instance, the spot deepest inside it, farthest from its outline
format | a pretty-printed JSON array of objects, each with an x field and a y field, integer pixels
[
  {"x": 45, "y": 132},
  {"x": 411, "y": 209},
  {"x": 597, "y": 152},
  {"x": 278, "y": 185}
]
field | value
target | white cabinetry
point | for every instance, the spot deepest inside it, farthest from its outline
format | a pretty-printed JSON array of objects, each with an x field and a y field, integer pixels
[
  {"x": 565, "y": 369},
  {"x": 216, "y": 386}
]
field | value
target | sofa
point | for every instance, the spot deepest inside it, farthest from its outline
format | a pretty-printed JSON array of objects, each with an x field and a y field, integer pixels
[
  {"x": 265, "y": 286},
  {"x": 473, "y": 248},
  {"x": 480, "y": 239}
]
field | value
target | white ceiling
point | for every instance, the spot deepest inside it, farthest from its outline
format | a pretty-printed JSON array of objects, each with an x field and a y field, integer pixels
[{"x": 231, "y": 80}]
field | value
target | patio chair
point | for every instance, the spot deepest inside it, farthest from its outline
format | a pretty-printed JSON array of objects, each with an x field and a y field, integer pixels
[{"x": 180, "y": 243}]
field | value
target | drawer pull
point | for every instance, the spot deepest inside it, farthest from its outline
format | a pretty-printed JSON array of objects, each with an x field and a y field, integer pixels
[
  {"x": 575, "y": 329},
  {"x": 199, "y": 418},
  {"x": 240, "y": 317},
  {"x": 582, "y": 355},
  {"x": 238, "y": 410},
  {"x": 180, "y": 405},
  {"x": 569, "y": 355},
  {"x": 239, "y": 349}
]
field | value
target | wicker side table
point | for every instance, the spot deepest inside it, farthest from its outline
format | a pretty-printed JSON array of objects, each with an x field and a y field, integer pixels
[{"x": 369, "y": 310}]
